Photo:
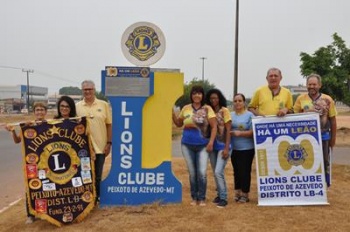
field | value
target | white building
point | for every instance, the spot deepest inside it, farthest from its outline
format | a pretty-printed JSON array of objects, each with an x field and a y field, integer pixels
[
  {"x": 15, "y": 97},
  {"x": 296, "y": 89},
  {"x": 52, "y": 99}
]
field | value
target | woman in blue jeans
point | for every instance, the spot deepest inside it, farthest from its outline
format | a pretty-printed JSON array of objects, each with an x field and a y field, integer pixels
[
  {"x": 221, "y": 151},
  {"x": 197, "y": 140}
]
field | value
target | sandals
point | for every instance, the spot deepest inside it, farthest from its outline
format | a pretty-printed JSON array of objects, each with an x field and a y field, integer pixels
[{"x": 243, "y": 199}]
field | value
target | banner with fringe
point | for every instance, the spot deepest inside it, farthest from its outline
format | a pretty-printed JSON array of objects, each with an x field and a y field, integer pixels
[{"x": 59, "y": 170}]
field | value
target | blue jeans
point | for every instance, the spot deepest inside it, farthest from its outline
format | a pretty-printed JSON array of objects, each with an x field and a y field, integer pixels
[
  {"x": 218, "y": 165},
  {"x": 197, "y": 161}
]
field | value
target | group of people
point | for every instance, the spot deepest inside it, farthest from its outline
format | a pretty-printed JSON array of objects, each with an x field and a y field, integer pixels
[
  {"x": 211, "y": 132},
  {"x": 100, "y": 119}
]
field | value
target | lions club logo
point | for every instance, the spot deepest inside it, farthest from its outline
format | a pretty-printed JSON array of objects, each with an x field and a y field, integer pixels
[
  {"x": 296, "y": 154},
  {"x": 60, "y": 160},
  {"x": 143, "y": 44}
]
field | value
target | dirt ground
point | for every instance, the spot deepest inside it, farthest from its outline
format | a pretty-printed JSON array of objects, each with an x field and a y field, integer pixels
[
  {"x": 183, "y": 217},
  {"x": 235, "y": 217}
]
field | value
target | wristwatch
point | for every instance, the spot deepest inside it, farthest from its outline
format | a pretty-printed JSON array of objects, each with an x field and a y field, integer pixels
[{"x": 109, "y": 142}]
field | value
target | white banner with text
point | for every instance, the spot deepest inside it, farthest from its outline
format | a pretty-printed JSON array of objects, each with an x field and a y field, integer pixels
[{"x": 289, "y": 160}]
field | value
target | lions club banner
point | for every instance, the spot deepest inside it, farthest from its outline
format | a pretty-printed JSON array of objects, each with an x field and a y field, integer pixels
[
  {"x": 289, "y": 160},
  {"x": 58, "y": 170}
]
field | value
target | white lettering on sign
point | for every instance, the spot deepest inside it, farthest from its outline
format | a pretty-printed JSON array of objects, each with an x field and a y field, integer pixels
[
  {"x": 147, "y": 178},
  {"x": 57, "y": 163},
  {"x": 124, "y": 112},
  {"x": 126, "y": 138}
]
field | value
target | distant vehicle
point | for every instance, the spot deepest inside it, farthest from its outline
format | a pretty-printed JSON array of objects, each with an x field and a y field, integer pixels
[
  {"x": 24, "y": 111},
  {"x": 13, "y": 111}
]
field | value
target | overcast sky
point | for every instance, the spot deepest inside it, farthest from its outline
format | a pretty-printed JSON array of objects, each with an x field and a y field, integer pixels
[{"x": 67, "y": 41}]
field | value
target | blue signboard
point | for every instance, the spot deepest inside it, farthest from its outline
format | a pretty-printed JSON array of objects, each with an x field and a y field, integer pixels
[{"x": 135, "y": 178}]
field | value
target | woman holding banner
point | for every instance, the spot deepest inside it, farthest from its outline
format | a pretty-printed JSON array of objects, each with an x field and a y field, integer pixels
[
  {"x": 197, "y": 141},
  {"x": 66, "y": 108},
  {"x": 40, "y": 111},
  {"x": 242, "y": 148}
]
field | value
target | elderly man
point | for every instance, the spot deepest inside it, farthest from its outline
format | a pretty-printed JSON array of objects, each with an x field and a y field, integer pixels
[
  {"x": 100, "y": 121},
  {"x": 314, "y": 101},
  {"x": 272, "y": 99}
]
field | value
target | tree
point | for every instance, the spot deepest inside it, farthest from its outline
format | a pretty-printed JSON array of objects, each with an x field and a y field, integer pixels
[
  {"x": 185, "y": 98},
  {"x": 332, "y": 63},
  {"x": 101, "y": 96},
  {"x": 70, "y": 91},
  {"x": 77, "y": 91}
]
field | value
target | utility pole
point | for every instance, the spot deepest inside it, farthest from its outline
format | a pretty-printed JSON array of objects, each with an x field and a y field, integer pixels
[
  {"x": 203, "y": 58},
  {"x": 28, "y": 71},
  {"x": 235, "y": 75}
]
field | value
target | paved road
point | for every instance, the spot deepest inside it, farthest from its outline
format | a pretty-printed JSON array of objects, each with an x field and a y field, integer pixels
[{"x": 11, "y": 172}]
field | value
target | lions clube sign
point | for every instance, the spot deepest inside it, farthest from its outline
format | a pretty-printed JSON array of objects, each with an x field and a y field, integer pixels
[
  {"x": 141, "y": 104},
  {"x": 289, "y": 160}
]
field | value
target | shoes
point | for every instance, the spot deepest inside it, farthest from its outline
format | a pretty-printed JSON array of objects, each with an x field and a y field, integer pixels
[
  {"x": 30, "y": 220},
  {"x": 193, "y": 202},
  {"x": 243, "y": 199},
  {"x": 222, "y": 204},
  {"x": 202, "y": 203},
  {"x": 97, "y": 201},
  {"x": 216, "y": 200},
  {"x": 238, "y": 194}
]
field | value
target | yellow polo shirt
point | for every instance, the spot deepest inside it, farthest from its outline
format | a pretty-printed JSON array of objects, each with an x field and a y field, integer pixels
[
  {"x": 305, "y": 104},
  {"x": 98, "y": 114},
  {"x": 324, "y": 105},
  {"x": 267, "y": 104}
]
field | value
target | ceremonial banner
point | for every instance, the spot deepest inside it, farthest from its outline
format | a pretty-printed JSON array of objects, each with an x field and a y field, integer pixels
[
  {"x": 289, "y": 160},
  {"x": 58, "y": 170}
]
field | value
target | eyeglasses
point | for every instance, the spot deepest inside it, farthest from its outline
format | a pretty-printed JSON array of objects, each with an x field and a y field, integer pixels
[
  {"x": 65, "y": 106},
  {"x": 88, "y": 89}
]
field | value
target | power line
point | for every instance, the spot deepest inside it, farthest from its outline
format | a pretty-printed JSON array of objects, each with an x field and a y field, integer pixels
[
  {"x": 10, "y": 67},
  {"x": 56, "y": 77},
  {"x": 44, "y": 74},
  {"x": 40, "y": 73}
]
